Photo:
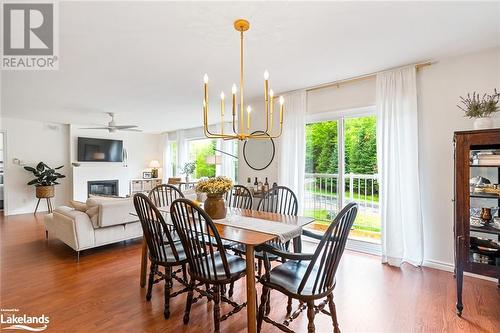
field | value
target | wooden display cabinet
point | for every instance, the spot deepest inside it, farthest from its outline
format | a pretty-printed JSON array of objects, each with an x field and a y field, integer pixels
[{"x": 469, "y": 200}]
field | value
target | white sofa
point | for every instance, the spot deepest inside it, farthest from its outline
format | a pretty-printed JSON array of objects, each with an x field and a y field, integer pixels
[{"x": 97, "y": 222}]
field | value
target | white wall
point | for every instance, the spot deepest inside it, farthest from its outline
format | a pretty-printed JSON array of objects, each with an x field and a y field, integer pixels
[
  {"x": 141, "y": 149},
  {"x": 439, "y": 88},
  {"x": 55, "y": 144},
  {"x": 32, "y": 142},
  {"x": 258, "y": 122}
]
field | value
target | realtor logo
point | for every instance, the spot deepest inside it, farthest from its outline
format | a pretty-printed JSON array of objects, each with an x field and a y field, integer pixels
[{"x": 29, "y": 36}]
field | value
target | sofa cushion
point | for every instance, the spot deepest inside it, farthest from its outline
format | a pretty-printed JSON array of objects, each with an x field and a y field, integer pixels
[
  {"x": 133, "y": 229},
  {"x": 105, "y": 211},
  {"x": 78, "y": 205},
  {"x": 109, "y": 234}
]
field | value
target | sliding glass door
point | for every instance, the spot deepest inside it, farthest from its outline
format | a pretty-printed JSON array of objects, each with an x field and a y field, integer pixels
[{"x": 341, "y": 167}]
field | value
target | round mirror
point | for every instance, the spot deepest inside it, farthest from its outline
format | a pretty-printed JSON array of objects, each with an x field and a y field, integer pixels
[{"x": 258, "y": 153}]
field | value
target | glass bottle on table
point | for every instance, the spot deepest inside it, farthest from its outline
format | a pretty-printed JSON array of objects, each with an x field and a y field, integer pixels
[
  {"x": 256, "y": 186},
  {"x": 266, "y": 185}
]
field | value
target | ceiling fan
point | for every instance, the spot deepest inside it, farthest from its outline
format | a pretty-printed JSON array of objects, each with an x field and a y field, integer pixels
[{"x": 113, "y": 127}]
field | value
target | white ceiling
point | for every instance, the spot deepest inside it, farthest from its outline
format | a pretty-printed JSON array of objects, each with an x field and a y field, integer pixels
[{"x": 145, "y": 61}]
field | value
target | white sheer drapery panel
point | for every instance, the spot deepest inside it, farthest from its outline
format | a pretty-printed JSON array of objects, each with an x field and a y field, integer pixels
[
  {"x": 293, "y": 145},
  {"x": 397, "y": 154}
]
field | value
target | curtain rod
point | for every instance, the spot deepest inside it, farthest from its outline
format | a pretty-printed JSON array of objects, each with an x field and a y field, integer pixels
[{"x": 364, "y": 77}]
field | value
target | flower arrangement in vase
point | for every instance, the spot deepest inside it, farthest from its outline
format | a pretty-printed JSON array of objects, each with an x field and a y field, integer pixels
[
  {"x": 215, "y": 188},
  {"x": 480, "y": 108}
]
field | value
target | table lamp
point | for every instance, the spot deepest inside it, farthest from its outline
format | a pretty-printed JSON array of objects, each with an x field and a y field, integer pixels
[{"x": 154, "y": 165}]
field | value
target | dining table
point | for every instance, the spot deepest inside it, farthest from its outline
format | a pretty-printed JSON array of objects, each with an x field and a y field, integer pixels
[{"x": 246, "y": 236}]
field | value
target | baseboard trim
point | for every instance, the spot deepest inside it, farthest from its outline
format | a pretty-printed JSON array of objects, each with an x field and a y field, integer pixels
[
  {"x": 443, "y": 266},
  {"x": 375, "y": 249}
]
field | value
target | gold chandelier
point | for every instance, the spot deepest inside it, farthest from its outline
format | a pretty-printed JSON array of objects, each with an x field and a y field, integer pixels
[{"x": 241, "y": 131}]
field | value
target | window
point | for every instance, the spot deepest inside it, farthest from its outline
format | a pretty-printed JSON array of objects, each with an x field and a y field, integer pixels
[
  {"x": 200, "y": 151},
  {"x": 341, "y": 154},
  {"x": 172, "y": 146}
]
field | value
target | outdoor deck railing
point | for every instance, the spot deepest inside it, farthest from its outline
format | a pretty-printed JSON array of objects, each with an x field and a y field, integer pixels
[{"x": 322, "y": 197}]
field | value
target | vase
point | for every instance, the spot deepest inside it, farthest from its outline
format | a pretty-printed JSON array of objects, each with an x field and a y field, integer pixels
[
  {"x": 483, "y": 123},
  {"x": 44, "y": 192},
  {"x": 215, "y": 206}
]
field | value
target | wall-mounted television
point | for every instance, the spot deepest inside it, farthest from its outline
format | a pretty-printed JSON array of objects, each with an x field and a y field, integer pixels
[{"x": 99, "y": 150}]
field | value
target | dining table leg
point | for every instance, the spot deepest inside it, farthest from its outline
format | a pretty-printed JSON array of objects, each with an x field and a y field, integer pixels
[
  {"x": 251, "y": 292},
  {"x": 144, "y": 262}
]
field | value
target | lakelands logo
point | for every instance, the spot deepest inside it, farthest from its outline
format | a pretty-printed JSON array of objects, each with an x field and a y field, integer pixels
[
  {"x": 30, "y": 36},
  {"x": 16, "y": 321}
]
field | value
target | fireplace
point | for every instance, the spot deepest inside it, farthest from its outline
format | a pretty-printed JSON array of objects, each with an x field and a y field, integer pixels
[{"x": 102, "y": 187}]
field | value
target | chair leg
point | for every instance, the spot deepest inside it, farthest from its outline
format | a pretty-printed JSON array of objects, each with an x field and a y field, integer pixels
[
  {"x": 151, "y": 281},
  {"x": 310, "y": 317},
  {"x": 333, "y": 312},
  {"x": 268, "y": 303},
  {"x": 262, "y": 307},
  {"x": 207, "y": 288},
  {"x": 168, "y": 286},
  {"x": 216, "y": 296},
  {"x": 46, "y": 234},
  {"x": 189, "y": 301},
  {"x": 259, "y": 268},
  {"x": 231, "y": 289},
  {"x": 184, "y": 273},
  {"x": 289, "y": 306}
]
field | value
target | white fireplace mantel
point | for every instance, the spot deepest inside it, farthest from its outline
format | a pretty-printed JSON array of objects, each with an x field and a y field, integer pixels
[{"x": 109, "y": 171}]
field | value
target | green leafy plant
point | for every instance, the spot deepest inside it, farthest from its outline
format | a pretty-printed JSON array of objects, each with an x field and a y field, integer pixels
[
  {"x": 476, "y": 106},
  {"x": 188, "y": 168},
  {"x": 45, "y": 175}
]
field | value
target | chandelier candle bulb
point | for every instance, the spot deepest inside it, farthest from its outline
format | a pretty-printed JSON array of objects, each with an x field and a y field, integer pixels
[
  {"x": 271, "y": 102},
  {"x": 249, "y": 110},
  {"x": 222, "y": 105},
  {"x": 282, "y": 101},
  {"x": 266, "y": 85}
]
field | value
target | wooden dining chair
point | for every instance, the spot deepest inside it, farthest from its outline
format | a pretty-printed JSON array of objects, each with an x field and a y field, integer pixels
[
  {"x": 239, "y": 197},
  {"x": 280, "y": 200},
  {"x": 174, "y": 180},
  {"x": 162, "y": 249},
  {"x": 208, "y": 263},
  {"x": 163, "y": 195},
  {"x": 308, "y": 277}
]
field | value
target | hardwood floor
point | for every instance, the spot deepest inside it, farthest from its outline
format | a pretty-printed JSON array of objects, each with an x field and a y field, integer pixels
[{"x": 102, "y": 293}]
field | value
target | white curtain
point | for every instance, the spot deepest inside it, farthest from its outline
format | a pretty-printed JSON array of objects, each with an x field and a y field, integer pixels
[
  {"x": 293, "y": 145},
  {"x": 397, "y": 153},
  {"x": 182, "y": 150},
  {"x": 167, "y": 159},
  {"x": 227, "y": 162}
]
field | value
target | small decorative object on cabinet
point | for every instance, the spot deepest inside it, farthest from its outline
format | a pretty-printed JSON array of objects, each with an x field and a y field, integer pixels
[
  {"x": 480, "y": 108},
  {"x": 143, "y": 185},
  {"x": 147, "y": 175},
  {"x": 477, "y": 178},
  {"x": 154, "y": 165}
]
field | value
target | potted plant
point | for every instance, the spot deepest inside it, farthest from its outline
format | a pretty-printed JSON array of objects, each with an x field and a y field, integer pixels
[
  {"x": 481, "y": 108},
  {"x": 188, "y": 169},
  {"x": 215, "y": 188},
  {"x": 46, "y": 178}
]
